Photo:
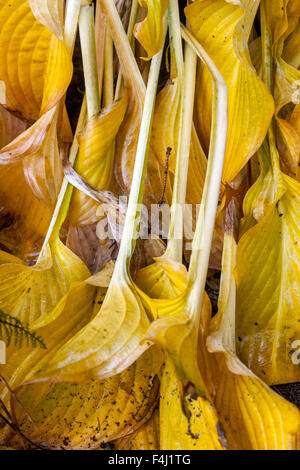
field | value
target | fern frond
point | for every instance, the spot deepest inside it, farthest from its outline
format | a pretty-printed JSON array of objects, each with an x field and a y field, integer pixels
[{"x": 12, "y": 328}]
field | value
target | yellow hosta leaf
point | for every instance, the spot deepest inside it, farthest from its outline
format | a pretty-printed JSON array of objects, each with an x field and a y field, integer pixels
[
  {"x": 56, "y": 295},
  {"x": 101, "y": 349},
  {"x": 24, "y": 219},
  {"x": 253, "y": 416},
  {"x": 29, "y": 292},
  {"x": 186, "y": 422},
  {"x": 24, "y": 46},
  {"x": 58, "y": 74},
  {"x": 265, "y": 192},
  {"x": 36, "y": 71},
  {"x": 50, "y": 13},
  {"x": 37, "y": 68},
  {"x": 95, "y": 159},
  {"x": 287, "y": 85},
  {"x": 268, "y": 286},
  {"x": 165, "y": 135},
  {"x": 277, "y": 18},
  {"x": 126, "y": 143},
  {"x": 164, "y": 279},
  {"x": 162, "y": 151},
  {"x": 43, "y": 169},
  {"x": 84, "y": 416},
  {"x": 146, "y": 438},
  {"x": 290, "y": 153},
  {"x": 222, "y": 28},
  {"x": 176, "y": 332},
  {"x": 150, "y": 32},
  {"x": 80, "y": 416},
  {"x": 282, "y": 18},
  {"x": 56, "y": 326},
  {"x": 291, "y": 53}
]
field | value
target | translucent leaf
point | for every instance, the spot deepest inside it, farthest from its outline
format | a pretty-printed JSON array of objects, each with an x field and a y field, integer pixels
[
  {"x": 43, "y": 169},
  {"x": 30, "y": 141},
  {"x": 50, "y": 13},
  {"x": 36, "y": 71},
  {"x": 10, "y": 126}
]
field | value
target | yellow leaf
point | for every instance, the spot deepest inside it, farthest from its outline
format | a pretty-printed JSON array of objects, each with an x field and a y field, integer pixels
[
  {"x": 186, "y": 422},
  {"x": 58, "y": 74},
  {"x": 164, "y": 279},
  {"x": 287, "y": 85},
  {"x": 70, "y": 313},
  {"x": 24, "y": 218},
  {"x": 84, "y": 416},
  {"x": 102, "y": 348},
  {"x": 277, "y": 18},
  {"x": 24, "y": 44},
  {"x": 265, "y": 192},
  {"x": 126, "y": 144},
  {"x": 95, "y": 159},
  {"x": 222, "y": 28},
  {"x": 30, "y": 141},
  {"x": 253, "y": 416},
  {"x": 165, "y": 136},
  {"x": 150, "y": 32},
  {"x": 43, "y": 169},
  {"x": 36, "y": 71},
  {"x": 291, "y": 53},
  {"x": 37, "y": 68},
  {"x": 29, "y": 292},
  {"x": 267, "y": 267}
]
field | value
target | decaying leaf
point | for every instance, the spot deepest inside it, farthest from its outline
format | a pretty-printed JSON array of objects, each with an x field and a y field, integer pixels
[
  {"x": 84, "y": 416},
  {"x": 146, "y": 438}
]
